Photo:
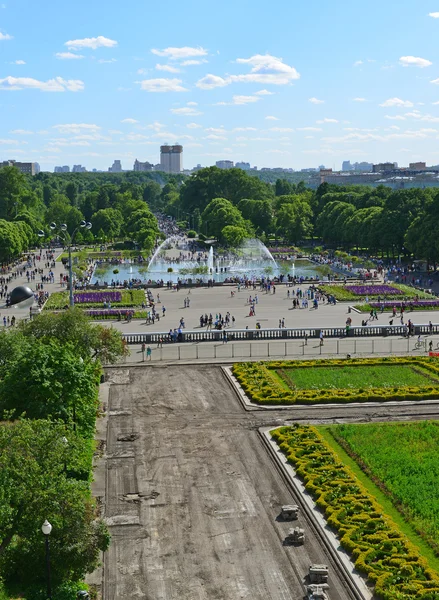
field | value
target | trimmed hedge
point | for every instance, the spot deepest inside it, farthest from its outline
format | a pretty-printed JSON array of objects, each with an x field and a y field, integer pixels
[
  {"x": 262, "y": 386},
  {"x": 380, "y": 551}
]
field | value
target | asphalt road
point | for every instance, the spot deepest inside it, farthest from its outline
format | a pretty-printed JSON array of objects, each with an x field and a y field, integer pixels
[{"x": 192, "y": 496}]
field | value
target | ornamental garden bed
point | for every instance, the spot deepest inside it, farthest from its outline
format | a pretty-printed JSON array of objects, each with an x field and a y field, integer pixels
[
  {"x": 402, "y": 459},
  {"x": 394, "y": 291},
  {"x": 90, "y": 299},
  {"x": 380, "y": 550},
  {"x": 339, "y": 381}
]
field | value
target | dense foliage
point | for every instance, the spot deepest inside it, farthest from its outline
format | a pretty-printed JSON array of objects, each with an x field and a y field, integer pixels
[
  {"x": 49, "y": 379},
  {"x": 403, "y": 459},
  {"x": 120, "y": 205},
  {"x": 378, "y": 548},
  {"x": 274, "y": 382}
]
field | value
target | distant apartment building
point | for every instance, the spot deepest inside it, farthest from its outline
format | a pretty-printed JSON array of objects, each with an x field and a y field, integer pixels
[
  {"x": 225, "y": 164},
  {"x": 64, "y": 169},
  {"x": 245, "y": 166},
  {"x": 384, "y": 167},
  {"x": 78, "y": 169},
  {"x": 346, "y": 166},
  {"x": 142, "y": 166},
  {"x": 418, "y": 166},
  {"x": 363, "y": 167},
  {"x": 171, "y": 158},
  {"x": 28, "y": 168},
  {"x": 116, "y": 167}
]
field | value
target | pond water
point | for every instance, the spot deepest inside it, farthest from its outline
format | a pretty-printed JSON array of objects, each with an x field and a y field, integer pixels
[{"x": 155, "y": 272}]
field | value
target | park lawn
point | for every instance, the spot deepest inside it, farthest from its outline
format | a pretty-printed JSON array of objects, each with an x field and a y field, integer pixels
[
  {"x": 403, "y": 460},
  {"x": 356, "y": 377},
  {"x": 130, "y": 298},
  {"x": 405, "y": 525}
]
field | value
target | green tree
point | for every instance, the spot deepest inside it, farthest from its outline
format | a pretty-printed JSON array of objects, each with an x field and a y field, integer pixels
[
  {"x": 151, "y": 193},
  {"x": 233, "y": 235},
  {"x": 219, "y": 213},
  {"x": 294, "y": 220},
  {"x": 12, "y": 186},
  {"x": 109, "y": 220},
  {"x": 34, "y": 486}
]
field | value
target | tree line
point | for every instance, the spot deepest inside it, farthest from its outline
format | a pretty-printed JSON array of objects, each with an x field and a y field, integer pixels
[{"x": 229, "y": 205}]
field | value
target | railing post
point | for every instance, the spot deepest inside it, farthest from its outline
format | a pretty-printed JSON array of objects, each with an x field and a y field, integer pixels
[
  {"x": 285, "y": 353},
  {"x": 196, "y": 348},
  {"x": 250, "y": 349},
  {"x": 355, "y": 347},
  {"x": 338, "y": 346},
  {"x": 233, "y": 350}
]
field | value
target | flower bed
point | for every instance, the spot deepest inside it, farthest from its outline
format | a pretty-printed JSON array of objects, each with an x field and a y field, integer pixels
[
  {"x": 96, "y": 297},
  {"x": 408, "y": 306},
  {"x": 345, "y": 293},
  {"x": 128, "y": 298},
  {"x": 263, "y": 385},
  {"x": 114, "y": 314},
  {"x": 373, "y": 290},
  {"x": 379, "y": 549}
]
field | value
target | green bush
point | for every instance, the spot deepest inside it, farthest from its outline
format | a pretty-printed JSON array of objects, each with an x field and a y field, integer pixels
[
  {"x": 202, "y": 237},
  {"x": 191, "y": 233}
]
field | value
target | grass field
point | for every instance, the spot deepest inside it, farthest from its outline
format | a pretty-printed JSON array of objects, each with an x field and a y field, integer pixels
[
  {"x": 403, "y": 460},
  {"x": 355, "y": 377}
]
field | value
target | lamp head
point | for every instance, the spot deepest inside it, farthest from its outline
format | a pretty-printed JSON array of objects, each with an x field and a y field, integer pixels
[
  {"x": 88, "y": 225},
  {"x": 52, "y": 226},
  {"x": 46, "y": 527},
  {"x": 63, "y": 227},
  {"x": 82, "y": 224},
  {"x": 41, "y": 233}
]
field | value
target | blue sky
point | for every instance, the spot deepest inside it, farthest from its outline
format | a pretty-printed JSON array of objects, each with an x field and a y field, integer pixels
[{"x": 288, "y": 84}]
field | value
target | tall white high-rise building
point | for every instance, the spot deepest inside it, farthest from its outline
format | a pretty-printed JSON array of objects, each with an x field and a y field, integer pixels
[
  {"x": 225, "y": 164},
  {"x": 171, "y": 158},
  {"x": 116, "y": 167}
]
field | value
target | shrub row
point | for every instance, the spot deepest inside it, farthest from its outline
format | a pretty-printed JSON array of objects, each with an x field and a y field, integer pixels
[
  {"x": 380, "y": 551},
  {"x": 263, "y": 387},
  {"x": 345, "y": 294}
]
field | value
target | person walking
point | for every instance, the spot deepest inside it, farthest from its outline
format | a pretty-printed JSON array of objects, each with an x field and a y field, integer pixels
[
  {"x": 143, "y": 351},
  {"x": 321, "y": 338},
  {"x": 148, "y": 353}
]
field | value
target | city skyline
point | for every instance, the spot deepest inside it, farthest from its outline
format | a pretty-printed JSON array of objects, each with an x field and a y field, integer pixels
[{"x": 91, "y": 90}]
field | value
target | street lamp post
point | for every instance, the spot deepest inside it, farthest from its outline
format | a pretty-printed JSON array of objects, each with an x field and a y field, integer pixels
[
  {"x": 68, "y": 238},
  {"x": 46, "y": 528}
]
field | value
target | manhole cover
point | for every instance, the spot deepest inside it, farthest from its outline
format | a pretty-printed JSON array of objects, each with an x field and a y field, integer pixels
[{"x": 127, "y": 437}]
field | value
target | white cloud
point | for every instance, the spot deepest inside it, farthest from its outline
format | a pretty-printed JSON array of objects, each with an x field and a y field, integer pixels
[
  {"x": 93, "y": 43},
  {"x": 167, "y": 68},
  {"x": 180, "y": 53},
  {"x": 21, "y": 132},
  {"x": 76, "y": 128},
  {"x": 5, "y": 36},
  {"x": 131, "y": 121},
  {"x": 282, "y": 129},
  {"x": 414, "y": 61},
  {"x": 264, "y": 93},
  {"x": 19, "y": 62},
  {"x": 214, "y": 136},
  {"x": 435, "y": 81},
  {"x": 326, "y": 120},
  {"x": 52, "y": 85},
  {"x": 434, "y": 15},
  {"x": 2, "y": 142},
  {"x": 360, "y": 100},
  {"x": 266, "y": 69},
  {"x": 245, "y": 129},
  {"x": 397, "y": 102},
  {"x": 219, "y": 130},
  {"x": 156, "y": 126},
  {"x": 316, "y": 101},
  {"x": 271, "y": 118},
  {"x": 68, "y": 56},
  {"x": 358, "y": 63},
  {"x": 208, "y": 82},
  {"x": 187, "y": 111},
  {"x": 136, "y": 137},
  {"x": 192, "y": 103},
  {"x": 103, "y": 61},
  {"x": 193, "y": 126},
  {"x": 395, "y": 118},
  {"x": 245, "y": 99},
  {"x": 192, "y": 63},
  {"x": 309, "y": 129},
  {"x": 162, "y": 85}
]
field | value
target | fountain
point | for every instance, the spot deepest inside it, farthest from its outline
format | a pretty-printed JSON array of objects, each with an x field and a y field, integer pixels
[{"x": 210, "y": 260}]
